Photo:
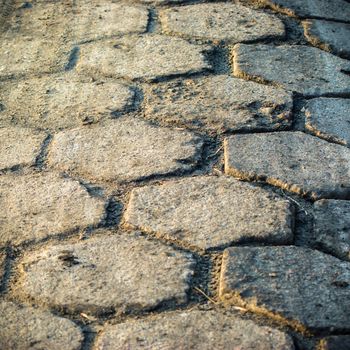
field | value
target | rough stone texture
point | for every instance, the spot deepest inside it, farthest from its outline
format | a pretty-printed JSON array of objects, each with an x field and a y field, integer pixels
[
  {"x": 148, "y": 57},
  {"x": 220, "y": 103},
  {"x": 78, "y": 22},
  {"x": 133, "y": 104},
  {"x": 202, "y": 330},
  {"x": 61, "y": 101},
  {"x": 19, "y": 146},
  {"x": 122, "y": 271},
  {"x": 3, "y": 257},
  {"x": 23, "y": 327},
  {"x": 223, "y": 22},
  {"x": 162, "y": 2},
  {"x": 330, "y": 36},
  {"x": 329, "y": 118},
  {"x": 295, "y": 161},
  {"x": 303, "y": 69},
  {"x": 41, "y": 19},
  {"x": 24, "y": 55},
  {"x": 335, "y": 9},
  {"x": 38, "y": 206},
  {"x": 302, "y": 287},
  {"x": 107, "y": 20},
  {"x": 336, "y": 342},
  {"x": 332, "y": 227},
  {"x": 5, "y": 11},
  {"x": 124, "y": 150},
  {"x": 210, "y": 212}
]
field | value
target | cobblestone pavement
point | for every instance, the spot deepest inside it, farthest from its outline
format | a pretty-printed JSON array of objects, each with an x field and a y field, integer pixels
[{"x": 174, "y": 174}]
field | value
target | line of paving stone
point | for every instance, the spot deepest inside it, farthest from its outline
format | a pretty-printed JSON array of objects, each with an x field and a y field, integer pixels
[{"x": 126, "y": 271}]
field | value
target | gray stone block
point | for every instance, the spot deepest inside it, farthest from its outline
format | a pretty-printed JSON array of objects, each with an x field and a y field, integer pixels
[
  {"x": 294, "y": 161},
  {"x": 303, "y": 288},
  {"x": 119, "y": 272},
  {"x": 303, "y": 69},
  {"x": 210, "y": 212},
  {"x": 124, "y": 150}
]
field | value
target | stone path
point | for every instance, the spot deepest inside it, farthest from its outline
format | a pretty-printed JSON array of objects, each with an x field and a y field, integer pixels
[{"x": 174, "y": 174}]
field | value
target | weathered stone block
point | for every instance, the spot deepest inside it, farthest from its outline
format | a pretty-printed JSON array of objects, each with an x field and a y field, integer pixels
[
  {"x": 294, "y": 161},
  {"x": 23, "y": 327},
  {"x": 38, "y": 206},
  {"x": 61, "y": 101},
  {"x": 221, "y": 22},
  {"x": 145, "y": 57},
  {"x": 220, "y": 103},
  {"x": 303, "y": 69},
  {"x": 19, "y": 146},
  {"x": 197, "y": 330},
  {"x": 330, "y": 36},
  {"x": 24, "y": 55},
  {"x": 335, "y": 9},
  {"x": 329, "y": 118},
  {"x": 120, "y": 272},
  {"x": 210, "y": 212},
  {"x": 332, "y": 227},
  {"x": 303, "y": 288},
  {"x": 124, "y": 150}
]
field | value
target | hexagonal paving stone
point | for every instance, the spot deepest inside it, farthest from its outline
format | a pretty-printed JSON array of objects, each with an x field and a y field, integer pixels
[
  {"x": 220, "y": 103},
  {"x": 82, "y": 21},
  {"x": 119, "y": 272},
  {"x": 108, "y": 19},
  {"x": 42, "y": 19},
  {"x": 124, "y": 150},
  {"x": 223, "y": 21},
  {"x": 195, "y": 329},
  {"x": 19, "y": 146},
  {"x": 210, "y": 212},
  {"x": 331, "y": 36},
  {"x": 335, "y": 9},
  {"x": 297, "y": 286},
  {"x": 294, "y": 161},
  {"x": 142, "y": 57},
  {"x": 25, "y": 55},
  {"x": 329, "y": 118},
  {"x": 61, "y": 101},
  {"x": 41, "y": 205},
  {"x": 23, "y": 327},
  {"x": 303, "y": 69},
  {"x": 332, "y": 227}
]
